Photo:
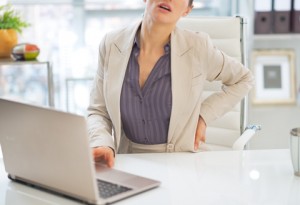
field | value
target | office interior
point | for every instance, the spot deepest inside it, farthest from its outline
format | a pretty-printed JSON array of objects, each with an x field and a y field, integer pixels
[{"x": 68, "y": 33}]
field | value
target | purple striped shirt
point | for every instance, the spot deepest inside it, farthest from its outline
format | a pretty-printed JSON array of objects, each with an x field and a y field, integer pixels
[{"x": 145, "y": 113}]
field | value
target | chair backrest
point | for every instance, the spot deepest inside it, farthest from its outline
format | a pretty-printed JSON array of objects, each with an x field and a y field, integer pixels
[{"x": 227, "y": 34}]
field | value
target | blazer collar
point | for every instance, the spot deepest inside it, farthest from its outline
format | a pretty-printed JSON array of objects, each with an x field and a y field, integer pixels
[
  {"x": 129, "y": 33},
  {"x": 178, "y": 46}
]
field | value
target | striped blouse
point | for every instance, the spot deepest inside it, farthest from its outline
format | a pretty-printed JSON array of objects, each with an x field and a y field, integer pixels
[{"x": 145, "y": 113}]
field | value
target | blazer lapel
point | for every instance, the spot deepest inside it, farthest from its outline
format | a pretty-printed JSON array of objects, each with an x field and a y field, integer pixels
[
  {"x": 117, "y": 63},
  {"x": 181, "y": 65}
]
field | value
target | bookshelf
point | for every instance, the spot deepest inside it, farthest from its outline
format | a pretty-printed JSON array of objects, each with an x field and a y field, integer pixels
[
  {"x": 276, "y": 120},
  {"x": 275, "y": 37}
]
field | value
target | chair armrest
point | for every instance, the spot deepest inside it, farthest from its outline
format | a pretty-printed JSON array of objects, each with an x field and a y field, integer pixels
[{"x": 241, "y": 142}]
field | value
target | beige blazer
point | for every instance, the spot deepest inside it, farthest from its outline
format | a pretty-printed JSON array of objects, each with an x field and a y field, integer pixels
[{"x": 194, "y": 59}]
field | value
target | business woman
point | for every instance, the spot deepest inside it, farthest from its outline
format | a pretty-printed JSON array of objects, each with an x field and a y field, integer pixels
[{"x": 147, "y": 90}]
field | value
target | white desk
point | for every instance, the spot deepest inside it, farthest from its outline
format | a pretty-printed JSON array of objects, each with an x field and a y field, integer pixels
[{"x": 261, "y": 177}]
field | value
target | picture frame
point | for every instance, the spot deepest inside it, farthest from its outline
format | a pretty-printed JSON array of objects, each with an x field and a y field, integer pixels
[{"x": 274, "y": 72}]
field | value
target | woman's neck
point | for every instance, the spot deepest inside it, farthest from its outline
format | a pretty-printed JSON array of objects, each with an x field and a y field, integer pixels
[{"x": 153, "y": 36}]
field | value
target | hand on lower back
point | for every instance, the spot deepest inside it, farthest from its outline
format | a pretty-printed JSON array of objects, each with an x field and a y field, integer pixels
[{"x": 200, "y": 133}]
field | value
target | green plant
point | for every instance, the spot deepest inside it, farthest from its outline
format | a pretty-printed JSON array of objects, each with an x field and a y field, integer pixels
[{"x": 10, "y": 19}]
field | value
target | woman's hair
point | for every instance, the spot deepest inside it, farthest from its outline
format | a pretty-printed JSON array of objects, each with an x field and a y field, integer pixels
[{"x": 191, "y": 2}]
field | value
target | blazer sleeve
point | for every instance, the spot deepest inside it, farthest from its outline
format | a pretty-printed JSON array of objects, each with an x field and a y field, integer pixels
[
  {"x": 236, "y": 80},
  {"x": 98, "y": 120}
]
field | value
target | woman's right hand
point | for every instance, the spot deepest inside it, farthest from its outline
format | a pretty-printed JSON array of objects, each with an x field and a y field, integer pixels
[{"x": 104, "y": 155}]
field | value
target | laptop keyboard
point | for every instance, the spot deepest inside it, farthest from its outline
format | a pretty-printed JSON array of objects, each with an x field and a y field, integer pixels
[{"x": 107, "y": 189}]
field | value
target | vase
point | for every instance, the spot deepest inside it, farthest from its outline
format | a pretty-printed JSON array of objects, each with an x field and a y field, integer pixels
[{"x": 8, "y": 39}]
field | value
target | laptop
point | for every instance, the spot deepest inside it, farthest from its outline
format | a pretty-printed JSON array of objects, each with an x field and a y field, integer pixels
[{"x": 49, "y": 149}]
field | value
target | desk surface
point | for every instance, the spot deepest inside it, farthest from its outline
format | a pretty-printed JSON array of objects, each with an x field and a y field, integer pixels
[{"x": 231, "y": 177}]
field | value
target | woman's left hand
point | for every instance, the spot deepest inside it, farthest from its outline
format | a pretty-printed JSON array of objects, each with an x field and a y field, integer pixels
[{"x": 200, "y": 133}]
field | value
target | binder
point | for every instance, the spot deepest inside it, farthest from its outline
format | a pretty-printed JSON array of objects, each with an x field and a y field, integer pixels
[
  {"x": 263, "y": 16},
  {"x": 282, "y": 16},
  {"x": 295, "y": 21}
]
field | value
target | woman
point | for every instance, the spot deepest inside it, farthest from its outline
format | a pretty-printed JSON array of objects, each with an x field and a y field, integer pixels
[{"x": 147, "y": 90}]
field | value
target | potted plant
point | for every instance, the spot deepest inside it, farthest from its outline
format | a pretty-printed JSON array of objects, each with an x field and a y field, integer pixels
[{"x": 11, "y": 23}]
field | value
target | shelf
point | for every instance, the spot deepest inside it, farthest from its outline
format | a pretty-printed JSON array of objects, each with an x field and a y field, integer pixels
[
  {"x": 9, "y": 61},
  {"x": 263, "y": 37}
]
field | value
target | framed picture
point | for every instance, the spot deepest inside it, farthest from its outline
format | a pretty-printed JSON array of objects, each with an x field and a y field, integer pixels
[{"x": 274, "y": 71}]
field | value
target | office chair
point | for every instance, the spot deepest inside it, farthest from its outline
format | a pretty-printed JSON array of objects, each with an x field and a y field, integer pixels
[{"x": 227, "y": 33}]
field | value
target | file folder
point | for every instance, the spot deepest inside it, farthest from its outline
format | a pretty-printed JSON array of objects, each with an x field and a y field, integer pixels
[
  {"x": 282, "y": 16},
  {"x": 295, "y": 21},
  {"x": 263, "y": 16}
]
